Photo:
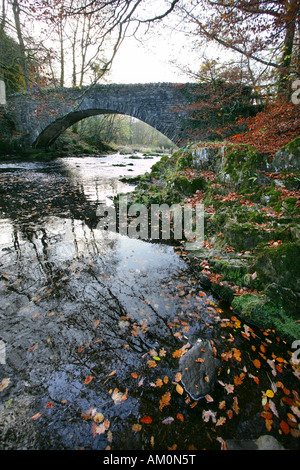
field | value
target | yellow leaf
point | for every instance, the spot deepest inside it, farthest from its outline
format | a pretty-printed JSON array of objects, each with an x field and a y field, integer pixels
[
  {"x": 136, "y": 427},
  {"x": 270, "y": 393},
  {"x": 179, "y": 389}
]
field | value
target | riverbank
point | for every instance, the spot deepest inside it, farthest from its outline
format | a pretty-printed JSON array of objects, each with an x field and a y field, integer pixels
[{"x": 250, "y": 256}]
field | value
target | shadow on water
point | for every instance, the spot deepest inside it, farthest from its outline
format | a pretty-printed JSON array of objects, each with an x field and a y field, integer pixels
[{"x": 92, "y": 323}]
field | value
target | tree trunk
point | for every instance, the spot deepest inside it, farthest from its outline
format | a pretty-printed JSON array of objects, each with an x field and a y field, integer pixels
[
  {"x": 284, "y": 85},
  {"x": 23, "y": 58}
]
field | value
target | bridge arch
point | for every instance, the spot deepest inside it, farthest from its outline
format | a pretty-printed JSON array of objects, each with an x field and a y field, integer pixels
[
  {"x": 49, "y": 135},
  {"x": 43, "y": 115}
]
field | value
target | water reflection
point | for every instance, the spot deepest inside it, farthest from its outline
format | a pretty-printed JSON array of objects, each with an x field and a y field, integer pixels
[{"x": 83, "y": 313}]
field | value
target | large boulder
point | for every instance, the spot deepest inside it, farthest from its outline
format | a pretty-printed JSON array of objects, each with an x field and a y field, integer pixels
[
  {"x": 264, "y": 442},
  {"x": 199, "y": 369}
]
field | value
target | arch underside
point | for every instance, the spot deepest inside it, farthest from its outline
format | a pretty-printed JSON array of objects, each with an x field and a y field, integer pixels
[{"x": 49, "y": 135}]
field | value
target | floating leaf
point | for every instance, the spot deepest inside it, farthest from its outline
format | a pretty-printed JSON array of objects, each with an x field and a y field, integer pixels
[
  {"x": 136, "y": 427},
  {"x": 270, "y": 393},
  {"x": 88, "y": 379},
  {"x": 207, "y": 415},
  {"x": 221, "y": 421},
  {"x": 285, "y": 427},
  {"x": 4, "y": 383},
  {"x": 98, "y": 418},
  {"x": 146, "y": 420},
  {"x": 168, "y": 420},
  {"x": 178, "y": 377},
  {"x": 151, "y": 363},
  {"x": 179, "y": 389},
  {"x": 165, "y": 400}
]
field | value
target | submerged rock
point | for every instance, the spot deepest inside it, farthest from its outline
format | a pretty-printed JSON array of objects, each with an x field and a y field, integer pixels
[
  {"x": 199, "y": 369},
  {"x": 264, "y": 442}
]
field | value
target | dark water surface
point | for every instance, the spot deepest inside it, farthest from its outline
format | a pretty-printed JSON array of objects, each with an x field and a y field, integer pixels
[{"x": 91, "y": 325}]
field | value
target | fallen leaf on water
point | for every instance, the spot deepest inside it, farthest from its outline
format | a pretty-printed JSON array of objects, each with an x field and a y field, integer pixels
[
  {"x": 270, "y": 393},
  {"x": 151, "y": 363},
  {"x": 49, "y": 405},
  {"x": 180, "y": 417},
  {"x": 165, "y": 400},
  {"x": 207, "y": 415},
  {"x": 229, "y": 388},
  {"x": 88, "y": 379},
  {"x": 4, "y": 383},
  {"x": 178, "y": 377},
  {"x": 168, "y": 420},
  {"x": 221, "y": 421},
  {"x": 146, "y": 419},
  {"x": 98, "y": 418},
  {"x": 257, "y": 364},
  {"x": 285, "y": 427},
  {"x": 36, "y": 416},
  {"x": 179, "y": 389},
  {"x": 209, "y": 398},
  {"x": 136, "y": 427}
]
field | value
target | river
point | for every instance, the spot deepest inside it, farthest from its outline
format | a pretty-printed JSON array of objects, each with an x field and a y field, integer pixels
[{"x": 90, "y": 324}]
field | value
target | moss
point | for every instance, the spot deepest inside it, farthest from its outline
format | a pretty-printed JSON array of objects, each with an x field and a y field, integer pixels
[
  {"x": 186, "y": 186},
  {"x": 261, "y": 311},
  {"x": 245, "y": 236},
  {"x": 280, "y": 263},
  {"x": 293, "y": 147},
  {"x": 184, "y": 161}
]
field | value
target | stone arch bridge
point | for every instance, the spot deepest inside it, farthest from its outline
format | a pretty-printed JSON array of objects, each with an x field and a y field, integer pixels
[{"x": 42, "y": 115}]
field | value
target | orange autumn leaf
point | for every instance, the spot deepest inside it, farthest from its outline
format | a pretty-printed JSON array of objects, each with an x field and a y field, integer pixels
[
  {"x": 257, "y": 364},
  {"x": 88, "y": 379},
  {"x": 159, "y": 383},
  {"x": 151, "y": 363},
  {"x": 165, "y": 400},
  {"x": 146, "y": 420},
  {"x": 178, "y": 377},
  {"x": 134, "y": 375},
  {"x": 285, "y": 427},
  {"x": 179, "y": 389},
  {"x": 177, "y": 353},
  {"x": 268, "y": 423},
  {"x": 136, "y": 427},
  {"x": 49, "y": 405},
  {"x": 180, "y": 417}
]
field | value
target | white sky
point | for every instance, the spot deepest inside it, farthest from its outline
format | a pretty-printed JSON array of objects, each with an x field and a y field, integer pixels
[{"x": 137, "y": 64}]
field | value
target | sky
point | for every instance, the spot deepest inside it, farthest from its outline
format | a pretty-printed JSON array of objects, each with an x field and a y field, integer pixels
[{"x": 135, "y": 63}]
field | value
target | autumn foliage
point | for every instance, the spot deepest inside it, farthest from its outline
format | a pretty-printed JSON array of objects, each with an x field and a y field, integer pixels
[{"x": 271, "y": 128}]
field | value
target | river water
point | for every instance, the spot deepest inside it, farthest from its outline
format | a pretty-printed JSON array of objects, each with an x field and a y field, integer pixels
[{"x": 90, "y": 323}]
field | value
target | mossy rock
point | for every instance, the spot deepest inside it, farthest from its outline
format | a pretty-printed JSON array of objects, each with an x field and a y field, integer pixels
[
  {"x": 186, "y": 186},
  {"x": 288, "y": 157},
  {"x": 245, "y": 236},
  {"x": 280, "y": 264},
  {"x": 262, "y": 312}
]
